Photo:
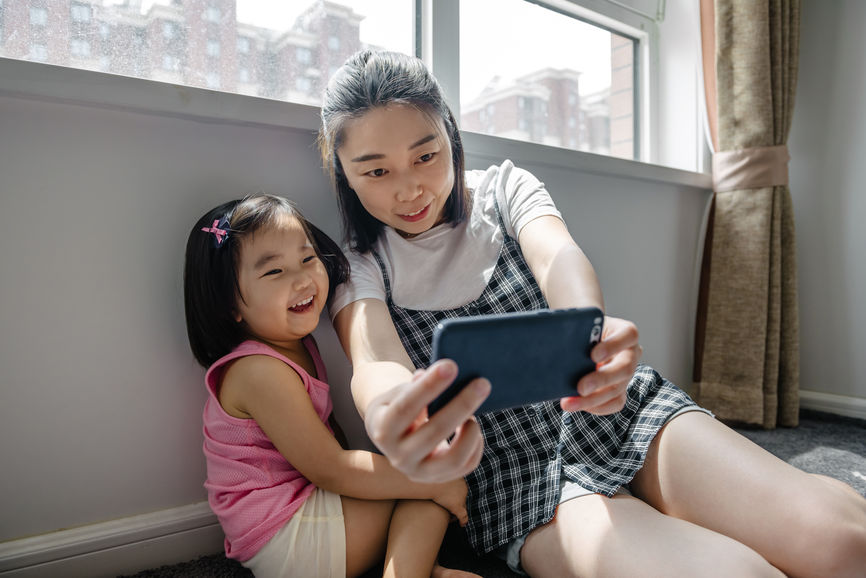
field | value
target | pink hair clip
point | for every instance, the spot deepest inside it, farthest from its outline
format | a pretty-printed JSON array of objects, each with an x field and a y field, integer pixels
[{"x": 220, "y": 230}]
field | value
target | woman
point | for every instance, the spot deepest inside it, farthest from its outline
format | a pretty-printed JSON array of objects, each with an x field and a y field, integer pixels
[{"x": 630, "y": 478}]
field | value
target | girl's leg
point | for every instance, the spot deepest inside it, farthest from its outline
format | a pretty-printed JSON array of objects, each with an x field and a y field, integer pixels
[
  {"x": 367, "y": 523},
  {"x": 701, "y": 471},
  {"x": 417, "y": 529},
  {"x": 623, "y": 536}
]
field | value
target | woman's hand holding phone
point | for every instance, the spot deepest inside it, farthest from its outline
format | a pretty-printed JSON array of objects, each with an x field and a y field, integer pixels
[
  {"x": 397, "y": 423},
  {"x": 604, "y": 391}
]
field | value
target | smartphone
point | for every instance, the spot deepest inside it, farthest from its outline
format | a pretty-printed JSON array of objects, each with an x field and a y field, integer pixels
[{"x": 527, "y": 356}]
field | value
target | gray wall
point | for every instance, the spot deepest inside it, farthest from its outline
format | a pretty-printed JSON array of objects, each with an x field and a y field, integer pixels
[{"x": 828, "y": 185}]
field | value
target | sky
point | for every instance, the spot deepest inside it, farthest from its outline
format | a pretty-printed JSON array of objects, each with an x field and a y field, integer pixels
[{"x": 505, "y": 38}]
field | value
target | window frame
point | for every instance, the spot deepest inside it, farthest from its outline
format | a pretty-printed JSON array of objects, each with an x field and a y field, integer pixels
[{"x": 438, "y": 25}]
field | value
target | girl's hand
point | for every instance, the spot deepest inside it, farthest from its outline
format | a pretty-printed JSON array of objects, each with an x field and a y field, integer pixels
[
  {"x": 452, "y": 497},
  {"x": 603, "y": 391},
  {"x": 397, "y": 423}
]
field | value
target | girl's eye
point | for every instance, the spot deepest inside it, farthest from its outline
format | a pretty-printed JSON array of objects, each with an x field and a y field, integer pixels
[{"x": 273, "y": 272}]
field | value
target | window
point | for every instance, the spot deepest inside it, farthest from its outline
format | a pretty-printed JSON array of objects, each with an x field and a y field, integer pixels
[
  {"x": 213, "y": 48},
  {"x": 38, "y": 52},
  {"x": 170, "y": 62},
  {"x": 302, "y": 39},
  {"x": 38, "y": 16},
  {"x": 169, "y": 30},
  {"x": 212, "y": 14},
  {"x": 80, "y": 13},
  {"x": 79, "y": 48},
  {"x": 571, "y": 66}
]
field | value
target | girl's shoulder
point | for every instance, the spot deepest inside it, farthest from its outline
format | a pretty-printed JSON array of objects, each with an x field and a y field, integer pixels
[{"x": 252, "y": 373}]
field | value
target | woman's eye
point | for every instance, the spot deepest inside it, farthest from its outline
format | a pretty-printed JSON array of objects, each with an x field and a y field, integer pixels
[
  {"x": 426, "y": 157},
  {"x": 376, "y": 172}
]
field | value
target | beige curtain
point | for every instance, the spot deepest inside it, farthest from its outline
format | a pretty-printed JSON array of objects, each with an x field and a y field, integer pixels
[{"x": 747, "y": 331}]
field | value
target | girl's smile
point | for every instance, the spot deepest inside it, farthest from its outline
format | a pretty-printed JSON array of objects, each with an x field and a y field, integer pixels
[{"x": 398, "y": 161}]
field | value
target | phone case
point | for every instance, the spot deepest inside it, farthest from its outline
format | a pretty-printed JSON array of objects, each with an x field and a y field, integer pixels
[{"x": 527, "y": 356}]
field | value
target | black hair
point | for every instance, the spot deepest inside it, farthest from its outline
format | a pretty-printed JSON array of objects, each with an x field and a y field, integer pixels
[
  {"x": 210, "y": 276},
  {"x": 370, "y": 79}
]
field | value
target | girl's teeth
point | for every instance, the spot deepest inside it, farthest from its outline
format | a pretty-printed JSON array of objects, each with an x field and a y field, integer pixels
[{"x": 304, "y": 302}]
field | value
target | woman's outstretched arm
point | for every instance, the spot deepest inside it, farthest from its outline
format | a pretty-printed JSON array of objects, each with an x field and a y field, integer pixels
[
  {"x": 392, "y": 398},
  {"x": 567, "y": 279}
]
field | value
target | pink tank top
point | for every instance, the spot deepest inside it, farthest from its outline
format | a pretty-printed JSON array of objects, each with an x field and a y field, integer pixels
[{"x": 251, "y": 487}]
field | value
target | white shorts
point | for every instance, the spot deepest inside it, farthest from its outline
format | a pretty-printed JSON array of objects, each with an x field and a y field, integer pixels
[{"x": 312, "y": 543}]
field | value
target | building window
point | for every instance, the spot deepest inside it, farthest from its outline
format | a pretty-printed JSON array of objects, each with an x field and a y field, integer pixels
[
  {"x": 213, "y": 48},
  {"x": 243, "y": 45},
  {"x": 169, "y": 30},
  {"x": 304, "y": 55},
  {"x": 333, "y": 43},
  {"x": 212, "y": 14},
  {"x": 170, "y": 63},
  {"x": 79, "y": 48},
  {"x": 212, "y": 79},
  {"x": 243, "y": 75},
  {"x": 80, "y": 13},
  {"x": 38, "y": 16},
  {"x": 303, "y": 84},
  {"x": 38, "y": 52}
]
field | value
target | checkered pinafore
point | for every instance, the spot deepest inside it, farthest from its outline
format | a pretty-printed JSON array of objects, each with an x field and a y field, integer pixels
[{"x": 527, "y": 449}]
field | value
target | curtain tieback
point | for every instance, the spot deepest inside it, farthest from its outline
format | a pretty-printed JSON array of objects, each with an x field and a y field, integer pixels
[{"x": 752, "y": 168}]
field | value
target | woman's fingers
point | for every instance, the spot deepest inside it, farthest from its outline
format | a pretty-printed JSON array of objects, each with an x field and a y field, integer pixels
[
  {"x": 397, "y": 423},
  {"x": 603, "y": 391}
]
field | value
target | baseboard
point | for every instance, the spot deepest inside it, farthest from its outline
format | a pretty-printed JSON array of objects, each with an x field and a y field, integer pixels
[
  {"x": 124, "y": 546},
  {"x": 832, "y": 403}
]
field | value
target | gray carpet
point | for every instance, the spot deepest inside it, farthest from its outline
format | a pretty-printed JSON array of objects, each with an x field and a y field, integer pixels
[{"x": 823, "y": 444}]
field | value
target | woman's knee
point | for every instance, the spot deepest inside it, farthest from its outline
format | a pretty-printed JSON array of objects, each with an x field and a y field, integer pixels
[{"x": 832, "y": 535}]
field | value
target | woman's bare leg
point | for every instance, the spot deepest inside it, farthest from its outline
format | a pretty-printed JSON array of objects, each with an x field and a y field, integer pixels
[
  {"x": 623, "y": 536},
  {"x": 701, "y": 471}
]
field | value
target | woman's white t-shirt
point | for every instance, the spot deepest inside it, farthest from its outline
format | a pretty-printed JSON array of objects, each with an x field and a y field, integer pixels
[{"x": 449, "y": 266}]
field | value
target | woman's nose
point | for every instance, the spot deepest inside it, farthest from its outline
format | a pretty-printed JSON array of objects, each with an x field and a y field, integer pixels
[{"x": 409, "y": 189}]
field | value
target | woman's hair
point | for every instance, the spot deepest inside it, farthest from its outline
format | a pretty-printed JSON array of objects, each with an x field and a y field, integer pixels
[
  {"x": 371, "y": 79},
  {"x": 210, "y": 276}
]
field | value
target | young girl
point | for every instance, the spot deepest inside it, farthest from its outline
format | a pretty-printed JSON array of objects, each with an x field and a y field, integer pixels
[
  {"x": 629, "y": 479},
  {"x": 291, "y": 500}
]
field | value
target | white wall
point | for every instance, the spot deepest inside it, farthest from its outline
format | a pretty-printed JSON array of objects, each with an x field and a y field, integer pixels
[
  {"x": 100, "y": 417},
  {"x": 828, "y": 184}
]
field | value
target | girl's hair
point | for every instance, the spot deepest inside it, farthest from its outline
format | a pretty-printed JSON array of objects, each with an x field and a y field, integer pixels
[
  {"x": 210, "y": 277},
  {"x": 371, "y": 79}
]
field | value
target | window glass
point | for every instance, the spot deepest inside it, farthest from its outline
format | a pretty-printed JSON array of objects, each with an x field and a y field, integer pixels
[
  {"x": 535, "y": 74},
  {"x": 271, "y": 48}
]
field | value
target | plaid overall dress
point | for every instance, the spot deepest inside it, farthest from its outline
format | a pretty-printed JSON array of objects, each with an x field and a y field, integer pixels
[{"x": 528, "y": 449}]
